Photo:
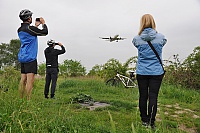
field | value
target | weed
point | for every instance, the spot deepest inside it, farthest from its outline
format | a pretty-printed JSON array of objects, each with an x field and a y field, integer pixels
[{"x": 82, "y": 98}]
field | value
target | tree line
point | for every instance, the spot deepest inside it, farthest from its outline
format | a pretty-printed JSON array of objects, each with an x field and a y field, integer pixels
[{"x": 185, "y": 73}]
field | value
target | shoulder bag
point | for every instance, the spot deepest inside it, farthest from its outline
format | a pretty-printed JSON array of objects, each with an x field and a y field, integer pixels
[{"x": 156, "y": 55}]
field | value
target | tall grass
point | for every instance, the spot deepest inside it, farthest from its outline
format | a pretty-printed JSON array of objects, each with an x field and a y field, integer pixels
[
  {"x": 113, "y": 128},
  {"x": 40, "y": 115}
]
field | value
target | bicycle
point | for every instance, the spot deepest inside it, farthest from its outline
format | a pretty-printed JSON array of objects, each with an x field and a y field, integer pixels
[{"x": 128, "y": 82}]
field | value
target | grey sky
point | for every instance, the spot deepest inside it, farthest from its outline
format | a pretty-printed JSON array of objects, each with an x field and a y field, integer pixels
[{"x": 78, "y": 24}]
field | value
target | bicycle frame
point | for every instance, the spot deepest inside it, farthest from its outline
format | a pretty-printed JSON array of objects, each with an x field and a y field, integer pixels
[{"x": 125, "y": 80}]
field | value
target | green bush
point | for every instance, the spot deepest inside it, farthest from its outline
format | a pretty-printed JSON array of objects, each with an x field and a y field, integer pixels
[
  {"x": 10, "y": 78},
  {"x": 72, "y": 68},
  {"x": 112, "y": 66},
  {"x": 185, "y": 73}
]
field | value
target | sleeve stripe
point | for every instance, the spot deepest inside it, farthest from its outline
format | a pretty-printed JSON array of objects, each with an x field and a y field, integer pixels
[{"x": 35, "y": 32}]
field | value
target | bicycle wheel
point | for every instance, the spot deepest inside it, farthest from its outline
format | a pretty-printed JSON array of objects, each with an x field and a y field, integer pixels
[{"x": 112, "y": 82}]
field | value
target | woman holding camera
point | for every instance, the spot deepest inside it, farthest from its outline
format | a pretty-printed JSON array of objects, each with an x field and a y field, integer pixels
[{"x": 149, "y": 70}]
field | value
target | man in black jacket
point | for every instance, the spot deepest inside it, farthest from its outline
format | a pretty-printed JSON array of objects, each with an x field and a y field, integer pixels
[{"x": 52, "y": 70}]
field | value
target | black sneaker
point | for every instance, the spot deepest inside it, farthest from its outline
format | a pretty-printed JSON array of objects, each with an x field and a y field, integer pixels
[
  {"x": 46, "y": 96},
  {"x": 153, "y": 126},
  {"x": 145, "y": 124},
  {"x": 53, "y": 98}
]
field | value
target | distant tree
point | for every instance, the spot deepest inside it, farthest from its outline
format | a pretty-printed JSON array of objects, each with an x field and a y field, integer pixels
[
  {"x": 185, "y": 73},
  {"x": 112, "y": 66},
  {"x": 72, "y": 68},
  {"x": 63, "y": 70},
  {"x": 131, "y": 61},
  {"x": 8, "y": 54},
  {"x": 96, "y": 71},
  {"x": 193, "y": 60},
  {"x": 192, "y": 65}
]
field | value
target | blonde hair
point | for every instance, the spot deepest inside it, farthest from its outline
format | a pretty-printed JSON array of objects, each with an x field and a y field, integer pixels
[{"x": 147, "y": 21}]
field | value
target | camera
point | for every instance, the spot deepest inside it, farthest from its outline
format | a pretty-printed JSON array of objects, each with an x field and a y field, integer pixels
[
  {"x": 56, "y": 43},
  {"x": 37, "y": 19}
]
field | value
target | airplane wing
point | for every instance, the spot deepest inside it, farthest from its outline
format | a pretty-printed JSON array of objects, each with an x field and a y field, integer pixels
[
  {"x": 116, "y": 36},
  {"x": 111, "y": 39},
  {"x": 121, "y": 38},
  {"x": 104, "y": 37}
]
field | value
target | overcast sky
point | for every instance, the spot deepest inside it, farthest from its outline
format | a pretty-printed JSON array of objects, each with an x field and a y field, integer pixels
[{"x": 78, "y": 24}]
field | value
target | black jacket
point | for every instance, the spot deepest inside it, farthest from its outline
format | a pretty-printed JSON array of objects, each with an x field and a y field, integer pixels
[{"x": 51, "y": 56}]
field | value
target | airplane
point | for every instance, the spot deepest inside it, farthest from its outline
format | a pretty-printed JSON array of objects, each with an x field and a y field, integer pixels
[{"x": 111, "y": 39}]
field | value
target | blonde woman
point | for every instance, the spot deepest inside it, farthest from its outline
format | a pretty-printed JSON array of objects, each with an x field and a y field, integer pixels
[{"x": 149, "y": 70}]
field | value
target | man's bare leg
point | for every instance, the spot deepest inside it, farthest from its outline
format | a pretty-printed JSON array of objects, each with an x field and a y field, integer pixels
[
  {"x": 29, "y": 84},
  {"x": 22, "y": 85}
]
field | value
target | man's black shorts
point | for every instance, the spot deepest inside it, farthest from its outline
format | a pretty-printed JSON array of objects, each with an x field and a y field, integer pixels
[{"x": 30, "y": 67}]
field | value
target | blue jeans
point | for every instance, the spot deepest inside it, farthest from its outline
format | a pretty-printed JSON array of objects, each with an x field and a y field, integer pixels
[{"x": 149, "y": 86}]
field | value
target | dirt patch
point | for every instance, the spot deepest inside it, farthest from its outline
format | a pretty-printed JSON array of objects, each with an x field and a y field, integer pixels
[
  {"x": 94, "y": 105},
  {"x": 180, "y": 112},
  {"x": 195, "y": 116},
  {"x": 188, "y": 130},
  {"x": 168, "y": 106},
  {"x": 175, "y": 116},
  {"x": 189, "y": 110},
  {"x": 166, "y": 113}
]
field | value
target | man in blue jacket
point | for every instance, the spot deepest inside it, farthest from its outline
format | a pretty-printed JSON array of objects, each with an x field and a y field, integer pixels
[{"x": 27, "y": 55}]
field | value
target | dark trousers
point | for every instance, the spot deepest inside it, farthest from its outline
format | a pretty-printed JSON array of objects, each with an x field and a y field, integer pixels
[
  {"x": 51, "y": 77},
  {"x": 149, "y": 86}
]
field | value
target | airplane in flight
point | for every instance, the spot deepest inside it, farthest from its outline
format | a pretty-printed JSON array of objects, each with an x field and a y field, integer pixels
[{"x": 111, "y": 39}]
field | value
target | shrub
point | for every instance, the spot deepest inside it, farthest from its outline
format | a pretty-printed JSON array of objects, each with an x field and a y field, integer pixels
[
  {"x": 185, "y": 73},
  {"x": 10, "y": 78}
]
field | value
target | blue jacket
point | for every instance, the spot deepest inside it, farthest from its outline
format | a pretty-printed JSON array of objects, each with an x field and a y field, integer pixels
[
  {"x": 148, "y": 63},
  {"x": 29, "y": 42}
]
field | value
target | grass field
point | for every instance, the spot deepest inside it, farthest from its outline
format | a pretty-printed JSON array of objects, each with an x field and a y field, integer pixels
[{"x": 178, "y": 110}]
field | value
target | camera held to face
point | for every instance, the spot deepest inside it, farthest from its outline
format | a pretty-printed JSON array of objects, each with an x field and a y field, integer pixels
[
  {"x": 52, "y": 42},
  {"x": 37, "y": 19}
]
